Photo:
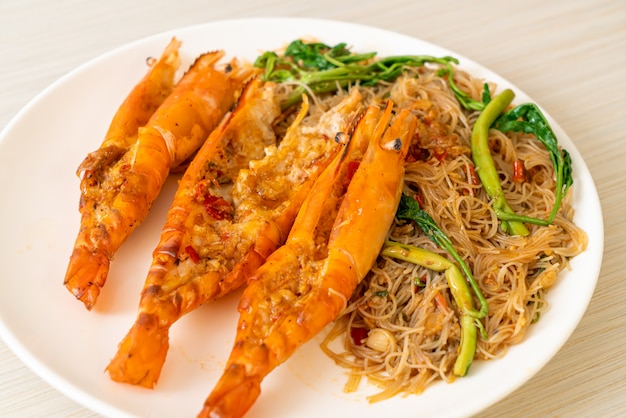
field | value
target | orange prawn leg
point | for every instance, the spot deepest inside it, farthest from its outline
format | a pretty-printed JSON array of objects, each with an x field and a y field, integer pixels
[
  {"x": 303, "y": 285},
  {"x": 185, "y": 270},
  {"x": 119, "y": 201}
]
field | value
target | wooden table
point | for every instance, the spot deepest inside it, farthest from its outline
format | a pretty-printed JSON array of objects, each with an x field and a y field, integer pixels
[{"x": 568, "y": 55}]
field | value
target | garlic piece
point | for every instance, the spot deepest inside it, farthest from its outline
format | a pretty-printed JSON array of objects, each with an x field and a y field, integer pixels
[{"x": 380, "y": 340}]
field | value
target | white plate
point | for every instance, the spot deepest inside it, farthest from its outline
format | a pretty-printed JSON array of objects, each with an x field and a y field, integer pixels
[{"x": 70, "y": 347}]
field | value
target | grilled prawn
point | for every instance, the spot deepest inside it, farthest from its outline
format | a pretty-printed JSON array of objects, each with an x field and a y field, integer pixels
[
  {"x": 333, "y": 243},
  {"x": 121, "y": 180},
  {"x": 209, "y": 245}
]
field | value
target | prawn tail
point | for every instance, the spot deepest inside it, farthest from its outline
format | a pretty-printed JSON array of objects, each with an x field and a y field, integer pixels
[
  {"x": 236, "y": 394},
  {"x": 141, "y": 364},
  {"x": 86, "y": 274}
]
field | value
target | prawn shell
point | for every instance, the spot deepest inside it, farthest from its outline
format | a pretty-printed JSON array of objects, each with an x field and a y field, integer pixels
[
  {"x": 165, "y": 297},
  {"x": 294, "y": 295},
  {"x": 89, "y": 263},
  {"x": 173, "y": 133}
]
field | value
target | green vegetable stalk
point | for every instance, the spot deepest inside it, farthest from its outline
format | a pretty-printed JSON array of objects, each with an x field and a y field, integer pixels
[
  {"x": 460, "y": 287},
  {"x": 526, "y": 118},
  {"x": 460, "y": 292},
  {"x": 529, "y": 119},
  {"x": 485, "y": 167},
  {"x": 320, "y": 68},
  {"x": 465, "y": 99},
  {"x": 409, "y": 209}
]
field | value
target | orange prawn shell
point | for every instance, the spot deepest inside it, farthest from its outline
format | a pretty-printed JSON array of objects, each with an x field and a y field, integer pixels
[
  {"x": 353, "y": 230},
  {"x": 295, "y": 294},
  {"x": 145, "y": 98},
  {"x": 131, "y": 184}
]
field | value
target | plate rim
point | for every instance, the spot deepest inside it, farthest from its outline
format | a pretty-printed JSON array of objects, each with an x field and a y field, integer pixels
[{"x": 69, "y": 389}]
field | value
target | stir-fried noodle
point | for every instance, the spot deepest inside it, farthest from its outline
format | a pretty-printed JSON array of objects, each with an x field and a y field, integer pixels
[{"x": 401, "y": 328}]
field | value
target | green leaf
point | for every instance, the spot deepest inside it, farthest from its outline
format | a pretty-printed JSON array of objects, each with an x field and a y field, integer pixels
[
  {"x": 486, "y": 96},
  {"x": 529, "y": 119},
  {"x": 323, "y": 68},
  {"x": 313, "y": 55},
  {"x": 465, "y": 99},
  {"x": 409, "y": 209}
]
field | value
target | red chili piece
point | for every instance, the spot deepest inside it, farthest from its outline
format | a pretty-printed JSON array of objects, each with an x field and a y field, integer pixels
[
  {"x": 217, "y": 207},
  {"x": 358, "y": 335},
  {"x": 419, "y": 199},
  {"x": 193, "y": 255},
  {"x": 520, "y": 175},
  {"x": 440, "y": 153},
  {"x": 473, "y": 176}
]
